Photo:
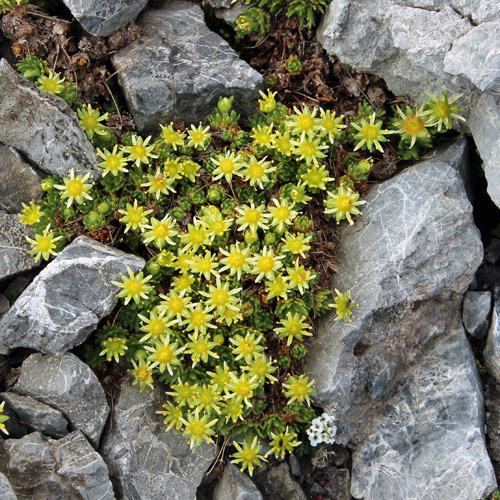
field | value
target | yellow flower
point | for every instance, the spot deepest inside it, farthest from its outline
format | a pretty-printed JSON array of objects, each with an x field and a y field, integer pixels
[
  {"x": 252, "y": 217},
  {"x": 172, "y": 137},
  {"x": 412, "y": 125},
  {"x": 30, "y": 214},
  {"x": 164, "y": 354},
  {"x": 277, "y": 288},
  {"x": 183, "y": 393},
  {"x": 343, "y": 305},
  {"x": 282, "y": 214},
  {"x": 330, "y": 125},
  {"x": 3, "y": 419},
  {"x": 44, "y": 245},
  {"x": 195, "y": 237},
  {"x": 227, "y": 165},
  {"x": 206, "y": 265},
  {"x": 140, "y": 152},
  {"x": 198, "y": 319},
  {"x": 159, "y": 184},
  {"x": 299, "y": 388},
  {"x": 199, "y": 137},
  {"x": 235, "y": 260},
  {"x": 134, "y": 286},
  {"x": 266, "y": 264},
  {"x": 268, "y": 102},
  {"x": 142, "y": 373},
  {"x": 74, "y": 188},
  {"x": 207, "y": 398},
  {"x": 308, "y": 149},
  {"x": 175, "y": 304},
  {"x": 283, "y": 442},
  {"x": 113, "y": 161},
  {"x": 256, "y": 171},
  {"x": 220, "y": 297},
  {"x": 241, "y": 388},
  {"x": 134, "y": 217},
  {"x": 262, "y": 368},
  {"x": 245, "y": 347},
  {"x": 114, "y": 348},
  {"x": 189, "y": 169},
  {"x": 221, "y": 377},
  {"x": 370, "y": 134},
  {"x": 299, "y": 277},
  {"x": 303, "y": 122},
  {"x": 90, "y": 120},
  {"x": 160, "y": 232},
  {"x": 263, "y": 135},
  {"x": 172, "y": 414},
  {"x": 342, "y": 204},
  {"x": 283, "y": 143},
  {"x": 293, "y": 327},
  {"x": 248, "y": 455},
  {"x": 296, "y": 244},
  {"x": 52, "y": 83},
  {"x": 197, "y": 428},
  {"x": 200, "y": 347},
  {"x": 155, "y": 326},
  {"x": 442, "y": 111}
]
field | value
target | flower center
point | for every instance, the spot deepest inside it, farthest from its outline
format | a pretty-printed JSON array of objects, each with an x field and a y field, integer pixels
[
  {"x": 157, "y": 327},
  {"x": 134, "y": 287},
  {"x": 266, "y": 264},
  {"x": 370, "y": 132},
  {"x": 236, "y": 259},
  {"x": 414, "y": 125},
  {"x": 139, "y": 151},
  {"x": 165, "y": 355},
  {"x": 252, "y": 216},
  {"x": 305, "y": 123},
  {"x": 344, "y": 204},
  {"x": 220, "y": 297},
  {"x": 198, "y": 319},
  {"x": 255, "y": 171},
  {"x": 89, "y": 122},
  {"x": 227, "y": 165},
  {"x": 283, "y": 213},
  {"x": 75, "y": 188}
]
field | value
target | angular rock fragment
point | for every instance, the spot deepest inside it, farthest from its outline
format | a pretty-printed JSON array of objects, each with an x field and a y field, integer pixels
[
  {"x": 235, "y": 485},
  {"x": 37, "y": 416},
  {"x": 145, "y": 461},
  {"x": 491, "y": 352},
  {"x": 69, "y": 468},
  {"x": 401, "y": 379},
  {"x": 70, "y": 386},
  {"x": 66, "y": 301},
  {"x": 475, "y": 313},
  {"x": 42, "y": 127},
  {"x": 6, "y": 491},
  {"x": 178, "y": 68},
  {"x": 104, "y": 17},
  {"x": 14, "y": 248},
  {"x": 19, "y": 183}
]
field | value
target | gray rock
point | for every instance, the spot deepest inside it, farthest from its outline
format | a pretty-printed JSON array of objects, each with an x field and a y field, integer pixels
[
  {"x": 70, "y": 386},
  {"x": 37, "y": 416},
  {"x": 19, "y": 183},
  {"x": 235, "y": 485},
  {"x": 18, "y": 285},
  {"x": 227, "y": 10},
  {"x": 144, "y": 461},
  {"x": 295, "y": 468},
  {"x": 407, "y": 261},
  {"x": 178, "y": 68},
  {"x": 14, "y": 248},
  {"x": 475, "y": 313},
  {"x": 66, "y": 301},
  {"x": 491, "y": 352},
  {"x": 484, "y": 123},
  {"x": 277, "y": 483},
  {"x": 42, "y": 468},
  {"x": 6, "y": 491},
  {"x": 42, "y": 127},
  {"x": 476, "y": 56},
  {"x": 422, "y": 446},
  {"x": 104, "y": 17},
  {"x": 4, "y": 304}
]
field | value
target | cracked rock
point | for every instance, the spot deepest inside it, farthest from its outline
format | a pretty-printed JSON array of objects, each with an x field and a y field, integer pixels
[
  {"x": 14, "y": 248},
  {"x": 37, "y": 416},
  {"x": 66, "y": 301},
  {"x": 19, "y": 183},
  {"x": 145, "y": 461},
  {"x": 42, "y": 468},
  {"x": 178, "y": 68},
  {"x": 104, "y": 17},
  {"x": 70, "y": 386},
  {"x": 235, "y": 485},
  {"x": 401, "y": 379},
  {"x": 42, "y": 127}
]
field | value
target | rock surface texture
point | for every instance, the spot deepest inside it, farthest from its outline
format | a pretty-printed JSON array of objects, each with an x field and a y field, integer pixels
[
  {"x": 42, "y": 127},
  {"x": 144, "y": 461},
  {"x": 6, "y": 491},
  {"x": 68, "y": 468},
  {"x": 70, "y": 386},
  {"x": 401, "y": 379},
  {"x": 19, "y": 183},
  {"x": 104, "y": 17},
  {"x": 427, "y": 45},
  {"x": 14, "y": 248},
  {"x": 491, "y": 352},
  {"x": 235, "y": 485},
  {"x": 475, "y": 313},
  {"x": 178, "y": 68},
  {"x": 66, "y": 301}
]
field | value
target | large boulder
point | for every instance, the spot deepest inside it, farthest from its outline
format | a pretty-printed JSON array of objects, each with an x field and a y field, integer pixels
[
  {"x": 70, "y": 386},
  {"x": 14, "y": 248},
  {"x": 399, "y": 400},
  {"x": 69, "y": 468},
  {"x": 66, "y": 301},
  {"x": 178, "y": 68},
  {"x": 42, "y": 127},
  {"x": 104, "y": 17},
  {"x": 145, "y": 461}
]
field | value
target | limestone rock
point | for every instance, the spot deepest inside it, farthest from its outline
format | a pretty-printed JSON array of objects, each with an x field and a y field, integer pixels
[
  {"x": 6, "y": 491},
  {"x": 178, "y": 68},
  {"x": 236, "y": 485},
  {"x": 475, "y": 313},
  {"x": 37, "y": 416},
  {"x": 277, "y": 483},
  {"x": 104, "y": 17},
  {"x": 404, "y": 358},
  {"x": 68, "y": 468},
  {"x": 66, "y": 301},
  {"x": 484, "y": 123},
  {"x": 476, "y": 56},
  {"x": 144, "y": 461},
  {"x": 42, "y": 127},
  {"x": 14, "y": 248},
  {"x": 19, "y": 183},
  {"x": 70, "y": 386},
  {"x": 491, "y": 352}
]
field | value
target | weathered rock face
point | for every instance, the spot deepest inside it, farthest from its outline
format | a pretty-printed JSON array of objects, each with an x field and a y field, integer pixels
[
  {"x": 491, "y": 352},
  {"x": 70, "y": 386},
  {"x": 484, "y": 123},
  {"x": 6, "y": 491},
  {"x": 145, "y": 461},
  {"x": 277, "y": 483},
  {"x": 37, "y": 416},
  {"x": 178, "y": 68},
  {"x": 18, "y": 181},
  {"x": 104, "y": 17},
  {"x": 475, "y": 313},
  {"x": 66, "y": 301},
  {"x": 42, "y": 127},
  {"x": 14, "y": 248},
  {"x": 68, "y": 468},
  {"x": 400, "y": 378},
  {"x": 236, "y": 485}
]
